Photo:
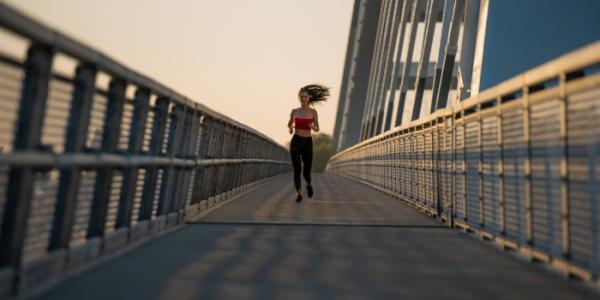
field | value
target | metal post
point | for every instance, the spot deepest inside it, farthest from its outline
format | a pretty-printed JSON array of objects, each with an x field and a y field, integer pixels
[
  {"x": 110, "y": 139},
  {"x": 181, "y": 151},
  {"x": 453, "y": 169},
  {"x": 480, "y": 166},
  {"x": 79, "y": 119},
  {"x": 218, "y": 180},
  {"x": 421, "y": 180},
  {"x": 28, "y": 134},
  {"x": 413, "y": 164},
  {"x": 435, "y": 165},
  {"x": 161, "y": 113},
  {"x": 193, "y": 152},
  {"x": 170, "y": 173},
  {"x": 406, "y": 164},
  {"x": 564, "y": 168},
  {"x": 188, "y": 152},
  {"x": 200, "y": 189},
  {"x": 214, "y": 128},
  {"x": 210, "y": 182},
  {"x": 500, "y": 143},
  {"x": 464, "y": 165},
  {"x": 527, "y": 165},
  {"x": 136, "y": 138}
]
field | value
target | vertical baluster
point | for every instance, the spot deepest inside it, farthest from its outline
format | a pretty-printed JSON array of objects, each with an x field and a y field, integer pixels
[
  {"x": 406, "y": 165},
  {"x": 208, "y": 129},
  {"x": 79, "y": 119},
  {"x": 235, "y": 144},
  {"x": 200, "y": 184},
  {"x": 218, "y": 179},
  {"x": 419, "y": 164},
  {"x": 165, "y": 203},
  {"x": 564, "y": 168},
  {"x": 192, "y": 153},
  {"x": 240, "y": 155},
  {"x": 395, "y": 175},
  {"x": 409, "y": 164},
  {"x": 110, "y": 138},
  {"x": 161, "y": 113},
  {"x": 527, "y": 165},
  {"x": 136, "y": 138},
  {"x": 211, "y": 154},
  {"x": 453, "y": 167},
  {"x": 464, "y": 164},
  {"x": 501, "y": 188},
  {"x": 181, "y": 174},
  {"x": 436, "y": 165},
  {"x": 228, "y": 174},
  {"x": 480, "y": 166},
  {"x": 28, "y": 134}
]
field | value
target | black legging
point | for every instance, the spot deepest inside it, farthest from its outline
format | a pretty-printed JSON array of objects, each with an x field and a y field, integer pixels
[{"x": 301, "y": 149}]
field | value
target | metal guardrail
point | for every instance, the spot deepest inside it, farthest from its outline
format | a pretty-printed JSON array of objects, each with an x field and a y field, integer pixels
[
  {"x": 519, "y": 163},
  {"x": 85, "y": 169}
]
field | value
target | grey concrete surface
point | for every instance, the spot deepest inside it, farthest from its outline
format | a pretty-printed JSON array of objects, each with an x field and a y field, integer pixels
[
  {"x": 347, "y": 242},
  {"x": 337, "y": 201}
]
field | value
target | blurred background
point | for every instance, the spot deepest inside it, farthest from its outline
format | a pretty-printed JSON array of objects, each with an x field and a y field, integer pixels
[{"x": 245, "y": 59}]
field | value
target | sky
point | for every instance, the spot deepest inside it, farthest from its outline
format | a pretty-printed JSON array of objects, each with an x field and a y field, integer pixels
[
  {"x": 246, "y": 59},
  {"x": 540, "y": 38}
]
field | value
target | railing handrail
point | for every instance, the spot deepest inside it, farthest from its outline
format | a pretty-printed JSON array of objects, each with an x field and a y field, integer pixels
[
  {"x": 36, "y": 31},
  {"x": 568, "y": 62}
]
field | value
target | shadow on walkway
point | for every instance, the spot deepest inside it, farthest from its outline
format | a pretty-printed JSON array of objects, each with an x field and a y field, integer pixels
[{"x": 348, "y": 242}]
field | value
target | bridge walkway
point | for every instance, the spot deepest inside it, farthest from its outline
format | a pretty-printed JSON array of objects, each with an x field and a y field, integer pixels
[{"x": 347, "y": 242}]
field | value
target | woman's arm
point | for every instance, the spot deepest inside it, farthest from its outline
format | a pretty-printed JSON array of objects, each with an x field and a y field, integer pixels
[
  {"x": 315, "y": 124},
  {"x": 291, "y": 122}
]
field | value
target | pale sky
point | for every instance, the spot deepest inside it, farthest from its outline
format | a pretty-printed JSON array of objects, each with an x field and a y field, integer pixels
[{"x": 243, "y": 58}]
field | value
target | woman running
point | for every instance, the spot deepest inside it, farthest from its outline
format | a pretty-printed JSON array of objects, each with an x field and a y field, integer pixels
[{"x": 302, "y": 120}]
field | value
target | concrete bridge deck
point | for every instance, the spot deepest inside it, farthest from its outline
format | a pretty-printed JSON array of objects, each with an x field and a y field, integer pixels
[{"x": 348, "y": 242}]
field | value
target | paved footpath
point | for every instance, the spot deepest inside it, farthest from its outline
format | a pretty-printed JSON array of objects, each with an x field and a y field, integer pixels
[{"x": 347, "y": 242}]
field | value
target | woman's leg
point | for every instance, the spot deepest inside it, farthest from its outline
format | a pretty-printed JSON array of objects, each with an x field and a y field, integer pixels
[
  {"x": 307, "y": 156},
  {"x": 295, "y": 153}
]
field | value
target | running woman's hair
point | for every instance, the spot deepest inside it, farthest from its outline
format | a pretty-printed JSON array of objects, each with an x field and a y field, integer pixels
[{"x": 316, "y": 92}]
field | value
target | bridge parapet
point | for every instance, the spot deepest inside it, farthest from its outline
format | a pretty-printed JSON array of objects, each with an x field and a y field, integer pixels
[
  {"x": 518, "y": 164},
  {"x": 101, "y": 158}
]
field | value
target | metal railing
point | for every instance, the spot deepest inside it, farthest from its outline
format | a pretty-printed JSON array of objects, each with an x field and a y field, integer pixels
[
  {"x": 86, "y": 169},
  {"x": 519, "y": 163}
]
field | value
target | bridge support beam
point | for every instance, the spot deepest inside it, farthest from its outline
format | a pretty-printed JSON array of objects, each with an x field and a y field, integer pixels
[
  {"x": 405, "y": 83},
  {"x": 444, "y": 84},
  {"x": 432, "y": 11}
]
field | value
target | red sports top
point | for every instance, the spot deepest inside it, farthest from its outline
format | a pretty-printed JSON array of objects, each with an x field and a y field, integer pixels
[{"x": 302, "y": 123}]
